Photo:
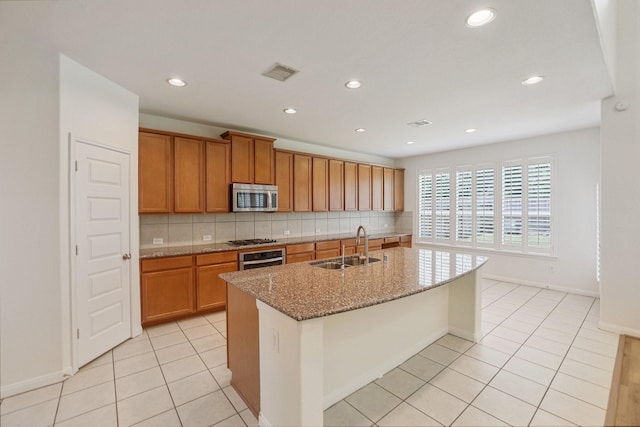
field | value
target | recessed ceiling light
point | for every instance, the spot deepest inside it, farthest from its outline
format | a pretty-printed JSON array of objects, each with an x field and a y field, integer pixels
[
  {"x": 177, "y": 82},
  {"x": 410, "y": 142},
  {"x": 532, "y": 80},
  {"x": 470, "y": 130},
  {"x": 360, "y": 130},
  {"x": 481, "y": 17},
  {"x": 353, "y": 84},
  {"x": 290, "y": 110}
]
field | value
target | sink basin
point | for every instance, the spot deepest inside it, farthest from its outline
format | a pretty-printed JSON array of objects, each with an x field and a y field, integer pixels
[
  {"x": 330, "y": 265},
  {"x": 356, "y": 260},
  {"x": 336, "y": 263}
]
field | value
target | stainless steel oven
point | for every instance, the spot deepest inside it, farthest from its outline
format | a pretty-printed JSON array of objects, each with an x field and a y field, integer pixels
[{"x": 261, "y": 258}]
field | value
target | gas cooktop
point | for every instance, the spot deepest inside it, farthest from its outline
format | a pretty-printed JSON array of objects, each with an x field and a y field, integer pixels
[{"x": 250, "y": 242}]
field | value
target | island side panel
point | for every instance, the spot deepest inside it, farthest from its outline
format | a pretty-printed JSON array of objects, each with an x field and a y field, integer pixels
[
  {"x": 243, "y": 346},
  {"x": 362, "y": 345},
  {"x": 291, "y": 357},
  {"x": 465, "y": 307}
]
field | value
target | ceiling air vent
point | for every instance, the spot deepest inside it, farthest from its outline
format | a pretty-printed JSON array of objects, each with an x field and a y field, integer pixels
[
  {"x": 419, "y": 123},
  {"x": 279, "y": 72}
]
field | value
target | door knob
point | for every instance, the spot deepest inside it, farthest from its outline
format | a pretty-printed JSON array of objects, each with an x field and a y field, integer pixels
[{"x": 126, "y": 256}]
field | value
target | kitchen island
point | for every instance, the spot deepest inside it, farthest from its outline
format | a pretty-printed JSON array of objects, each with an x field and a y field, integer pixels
[{"x": 301, "y": 337}]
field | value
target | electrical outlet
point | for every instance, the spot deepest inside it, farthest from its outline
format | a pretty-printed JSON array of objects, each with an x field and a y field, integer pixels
[
  {"x": 317, "y": 230},
  {"x": 158, "y": 240},
  {"x": 275, "y": 338},
  {"x": 386, "y": 225},
  {"x": 206, "y": 237},
  {"x": 286, "y": 232}
]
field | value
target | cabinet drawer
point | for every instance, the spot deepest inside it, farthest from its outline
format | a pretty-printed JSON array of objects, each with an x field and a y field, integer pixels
[
  {"x": 375, "y": 243},
  {"x": 300, "y": 248},
  {"x": 169, "y": 263},
  {"x": 300, "y": 257},
  {"x": 405, "y": 239},
  {"x": 391, "y": 239},
  {"x": 328, "y": 253},
  {"x": 349, "y": 243},
  {"x": 217, "y": 258},
  {"x": 330, "y": 244}
]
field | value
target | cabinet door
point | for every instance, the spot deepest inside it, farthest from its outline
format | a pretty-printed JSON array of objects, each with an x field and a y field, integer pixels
[
  {"x": 166, "y": 294},
  {"x": 377, "y": 196},
  {"x": 284, "y": 180},
  {"x": 155, "y": 175},
  {"x": 263, "y": 161},
  {"x": 188, "y": 187},
  {"x": 242, "y": 160},
  {"x": 350, "y": 186},
  {"x": 388, "y": 190},
  {"x": 336, "y": 185},
  {"x": 212, "y": 290},
  {"x": 398, "y": 190},
  {"x": 320, "y": 184},
  {"x": 218, "y": 176},
  {"x": 302, "y": 183},
  {"x": 364, "y": 187}
]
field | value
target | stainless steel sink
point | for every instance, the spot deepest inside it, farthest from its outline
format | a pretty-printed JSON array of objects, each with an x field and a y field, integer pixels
[
  {"x": 330, "y": 265},
  {"x": 336, "y": 263},
  {"x": 356, "y": 260}
]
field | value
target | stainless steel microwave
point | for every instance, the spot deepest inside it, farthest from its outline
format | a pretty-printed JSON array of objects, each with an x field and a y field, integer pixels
[{"x": 254, "y": 198}]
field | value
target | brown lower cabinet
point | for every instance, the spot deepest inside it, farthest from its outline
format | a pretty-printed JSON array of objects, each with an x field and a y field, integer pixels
[
  {"x": 175, "y": 287},
  {"x": 300, "y": 252}
]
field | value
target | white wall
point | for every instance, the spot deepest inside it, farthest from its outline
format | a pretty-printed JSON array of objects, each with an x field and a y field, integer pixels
[
  {"x": 97, "y": 110},
  {"x": 30, "y": 326},
  {"x": 163, "y": 123},
  {"x": 576, "y": 175},
  {"x": 620, "y": 272}
]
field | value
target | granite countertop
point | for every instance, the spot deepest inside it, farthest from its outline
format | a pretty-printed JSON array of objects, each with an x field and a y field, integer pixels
[
  {"x": 224, "y": 246},
  {"x": 303, "y": 291}
]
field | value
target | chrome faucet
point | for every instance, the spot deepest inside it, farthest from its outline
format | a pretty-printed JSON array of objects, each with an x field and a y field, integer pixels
[{"x": 366, "y": 243}]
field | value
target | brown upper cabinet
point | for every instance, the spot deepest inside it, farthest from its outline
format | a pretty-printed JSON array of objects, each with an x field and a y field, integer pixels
[
  {"x": 320, "y": 184},
  {"x": 182, "y": 174},
  {"x": 377, "y": 195},
  {"x": 350, "y": 186},
  {"x": 218, "y": 176},
  {"x": 388, "y": 190},
  {"x": 284, "y": 180},
  {"x": 398, "y": 190},
  {"x": 155, "y": 173},
  {"x": 336, "y": 185},
  {"x": 302, "y": 177},
  {"x": 252, "y": 158},
  {"x": 188, "y": 189},
  {"x": 364, "y": 187}
]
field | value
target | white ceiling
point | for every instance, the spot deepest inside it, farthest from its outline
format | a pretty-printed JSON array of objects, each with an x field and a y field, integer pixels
[{"x": 416, "y": 59}]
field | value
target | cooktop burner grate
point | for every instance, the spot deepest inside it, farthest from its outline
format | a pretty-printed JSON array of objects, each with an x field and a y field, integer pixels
[{"x": 250, "y": 242}]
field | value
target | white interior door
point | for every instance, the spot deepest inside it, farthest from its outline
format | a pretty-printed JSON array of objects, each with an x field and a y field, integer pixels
[{"x": 102, "y": 294}]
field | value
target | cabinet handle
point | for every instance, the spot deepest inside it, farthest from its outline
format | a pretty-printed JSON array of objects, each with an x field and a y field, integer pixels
[{"x": 126, "y": 256}]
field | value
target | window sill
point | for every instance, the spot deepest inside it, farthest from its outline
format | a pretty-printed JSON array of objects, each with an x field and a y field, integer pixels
[{"x": 488, "y": 251}]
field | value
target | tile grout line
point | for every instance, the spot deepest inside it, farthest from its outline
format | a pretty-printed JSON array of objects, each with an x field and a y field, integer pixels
[
  {"x": 505, "y": 363},
  {"x": 558, "y": 370}
]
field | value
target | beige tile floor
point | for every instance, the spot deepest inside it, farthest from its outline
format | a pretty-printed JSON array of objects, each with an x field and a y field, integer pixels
[{"x": 542, "y": 361}]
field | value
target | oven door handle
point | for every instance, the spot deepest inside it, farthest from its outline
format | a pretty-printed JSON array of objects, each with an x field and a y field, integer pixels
[{"x": 262, "y": 261}]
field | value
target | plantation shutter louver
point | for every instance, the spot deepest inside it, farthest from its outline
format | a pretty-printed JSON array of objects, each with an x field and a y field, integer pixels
[
  {"x": 464, "y": 206},
  {"x": 443, "y": 206},
  {"x": 512, "y": 205},
  {"x": 485, "y": 201},
  {"x": 539, "y": 205},
  {"x": 425, "y": 195}
]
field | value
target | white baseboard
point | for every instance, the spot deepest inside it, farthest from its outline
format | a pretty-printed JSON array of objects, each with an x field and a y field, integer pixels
[
  {"x": 542, "y": 285},
  {"x": 465, "y": 335},
  {"x": 263, "y": 421},
  {"x": 34, "y": 383},
  {"x": 620, "y": 330}
]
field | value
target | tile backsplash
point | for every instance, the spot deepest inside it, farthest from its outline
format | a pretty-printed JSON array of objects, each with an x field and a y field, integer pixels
[{"x": 187, "y": 229}]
